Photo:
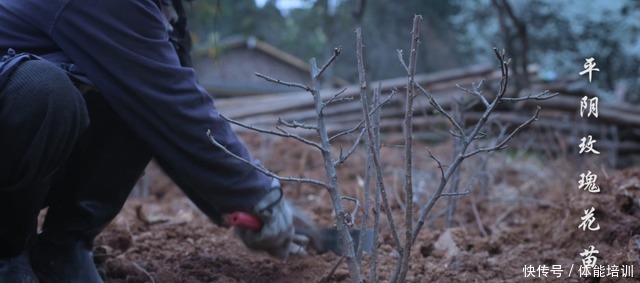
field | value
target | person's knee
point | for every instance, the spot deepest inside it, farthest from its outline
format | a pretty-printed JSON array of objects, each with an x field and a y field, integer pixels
[
  {"x": 45, "y": 114},
  {"x": 42, "y": 91}
]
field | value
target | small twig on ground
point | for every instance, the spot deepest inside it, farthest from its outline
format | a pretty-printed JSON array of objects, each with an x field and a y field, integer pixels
[
  {"x": 327, "y": 275},
  {"x": 137, "y": 266}
]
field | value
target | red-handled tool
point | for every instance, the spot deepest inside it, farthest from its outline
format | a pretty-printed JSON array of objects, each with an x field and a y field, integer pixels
[{"x": 245, "y": 220}]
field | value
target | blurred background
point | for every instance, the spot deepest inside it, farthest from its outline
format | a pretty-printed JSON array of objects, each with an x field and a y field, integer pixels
[
  {"x": 547, "y": 41},
  {"x": 555, "y": 35}
]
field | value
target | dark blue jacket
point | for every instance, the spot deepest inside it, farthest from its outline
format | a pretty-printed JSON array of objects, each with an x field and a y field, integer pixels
[{"x": 123, "y": 48}]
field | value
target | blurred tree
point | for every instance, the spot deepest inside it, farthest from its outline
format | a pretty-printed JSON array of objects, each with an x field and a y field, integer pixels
[
  {"x": 327, "y": 24},
  {"x": 558, "y": 35},
  {"x": 561, "y": 34},
  {"x": 386, "y": 27},
  {"x": 515, "y": 40},
  {"x": 271, "y": 24},
  {"x": 210, "y": 18}
]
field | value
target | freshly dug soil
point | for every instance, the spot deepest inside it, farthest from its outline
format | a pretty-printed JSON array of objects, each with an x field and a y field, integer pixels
[{"x": 523, "y": 211}]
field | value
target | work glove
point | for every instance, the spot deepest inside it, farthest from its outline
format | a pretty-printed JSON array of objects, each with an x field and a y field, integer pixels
[{"x": 277, "y": 236}]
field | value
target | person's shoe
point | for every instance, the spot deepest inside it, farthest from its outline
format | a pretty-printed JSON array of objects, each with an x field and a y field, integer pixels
[
  {"x": 17, "y": 270},
  {"x": 69, "y": 262}
]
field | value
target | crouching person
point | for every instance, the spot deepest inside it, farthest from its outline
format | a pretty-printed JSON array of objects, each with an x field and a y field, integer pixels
[{"x": 90, "y": 92}]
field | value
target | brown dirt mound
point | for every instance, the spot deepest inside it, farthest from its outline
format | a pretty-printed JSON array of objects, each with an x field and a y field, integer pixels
[{"x": 164, "y": 238}]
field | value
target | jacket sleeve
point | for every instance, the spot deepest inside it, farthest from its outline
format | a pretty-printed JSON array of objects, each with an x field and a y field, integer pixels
[{"x": 123, "y": 47}]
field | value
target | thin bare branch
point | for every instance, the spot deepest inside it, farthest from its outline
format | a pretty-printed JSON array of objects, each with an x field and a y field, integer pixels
[
  {"x": 376, "y": 158},
  {"x": 401, "y": 273},
  {"x": 539, "y": 96},
  {"x": 437, "y": 161},
  {"x": 282, "y": 132},
  {"x": 352, "y": 215},
  {"x": 377, "y": 198},
  {"x": 347, "y": 132},
  {"x": 336, "y": 52},
  {"x": 401, "y": 59},
  {"x": 296, "y": 124},
  {"x": 327, "y": 275},
  {"x": 353, "y": 148},
  {"x": 476, "y": 92},
  {"x": 473, "y": 180},
  {"x": 332, "y": 177},
  {"x": 433, "y": 218},
  {"x": 503, "y": 143},
  {"x": 476, "y": 176},
  {"x": 439, "y": 108},
  {"x": 504, "y": 68},
  {"x": 379, "y": 105},
  {"x": 470, "y": 138},
  {"x": 289, "y": 84},
  {"x": 335, "y": 98},
  {"x": 454, "y": 182},
  {"x": 396, "y": 195},
  {"x": 480, "y": 135},
  {"x": 288, "y": 134},
  {"x": 455, "y": 194},
  {"x": 366, "y": 186},
  {"x": 476, "y": 215},
  {"x": 138, "y": 267},
  {"x": 453, "y": 134},
  {"x": 263, "y": 170}
]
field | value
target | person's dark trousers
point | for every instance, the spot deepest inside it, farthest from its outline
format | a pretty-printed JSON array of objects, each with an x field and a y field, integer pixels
[
  {"x": 87, "y": 193},
  {"x": 41, "y": 117},
  {"x": 88, "y": 173}
]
